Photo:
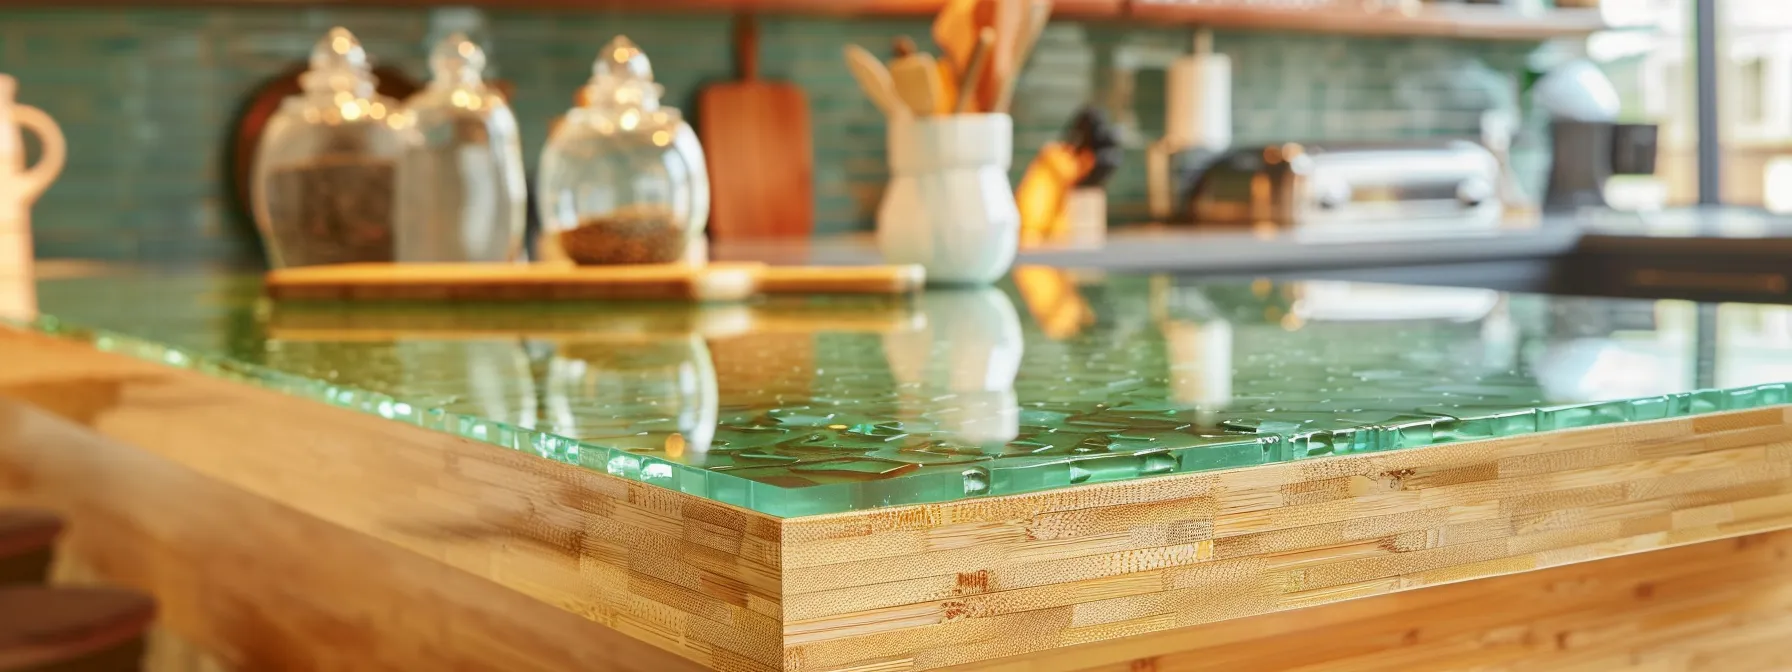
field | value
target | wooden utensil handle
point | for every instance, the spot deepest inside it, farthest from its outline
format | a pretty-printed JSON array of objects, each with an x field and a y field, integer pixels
[
  {"x": 746, "y": 46},
  {"x": 967, "y": 87}
]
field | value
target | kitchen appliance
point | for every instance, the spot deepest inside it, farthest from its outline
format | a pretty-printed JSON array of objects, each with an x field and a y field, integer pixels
[
  {"x": 1407, "y": 188},
  {"x": 1198, "y": 125},
  {"x": 1587, "y": 153}
]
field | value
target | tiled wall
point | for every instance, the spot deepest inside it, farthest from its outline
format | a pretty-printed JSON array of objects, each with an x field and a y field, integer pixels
[{"x": 147, "y": 96}]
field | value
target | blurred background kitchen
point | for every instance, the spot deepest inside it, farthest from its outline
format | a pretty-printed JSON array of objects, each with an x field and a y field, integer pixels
[
  {"x": 1259, "y": 157},
  {"x": 153, "y": 96}
]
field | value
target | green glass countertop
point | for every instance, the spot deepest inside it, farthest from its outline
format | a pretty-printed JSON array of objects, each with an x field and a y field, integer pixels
[{"x": 799, "y": 406}]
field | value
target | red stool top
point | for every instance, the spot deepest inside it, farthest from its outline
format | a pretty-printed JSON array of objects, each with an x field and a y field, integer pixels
[
  {"x": 40, "y": 625},
  {"x": 23, "y": 530}
]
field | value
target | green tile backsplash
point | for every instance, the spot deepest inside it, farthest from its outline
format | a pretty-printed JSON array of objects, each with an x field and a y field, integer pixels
[{"x": 146, "y": 97}]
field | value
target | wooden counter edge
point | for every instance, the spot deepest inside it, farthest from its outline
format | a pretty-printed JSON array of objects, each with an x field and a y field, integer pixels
[
  {"x": 923, "y": 587},
  {"x": 686, "y": 575},
  {"x": 929, "y": 586}
]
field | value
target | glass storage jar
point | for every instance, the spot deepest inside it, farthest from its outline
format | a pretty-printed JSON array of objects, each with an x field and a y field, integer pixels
[
  {"x": 623, "y": 179},
  {"x": 462, "y": 185},
  {"x": 325, "y": 178}
]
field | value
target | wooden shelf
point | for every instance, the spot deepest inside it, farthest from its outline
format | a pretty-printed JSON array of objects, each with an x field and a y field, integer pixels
[
  {"x": 1069, "y": 9},
  {"x": 1435, "y": 20},
  {"x": 1460, "y": 21}
]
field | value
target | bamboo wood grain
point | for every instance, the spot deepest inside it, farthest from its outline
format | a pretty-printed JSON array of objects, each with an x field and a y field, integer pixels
[
  {"x": 1710, "y": 606},
  {"x": 1163, "y": 561},
  {"x": 1084, "y": 565},
  {"x": 295, "y": 592},
  {"x": 685, "y": 575}
]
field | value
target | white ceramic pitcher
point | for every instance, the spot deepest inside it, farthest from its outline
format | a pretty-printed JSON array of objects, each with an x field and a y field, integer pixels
[{"x": 19, "y": 187}]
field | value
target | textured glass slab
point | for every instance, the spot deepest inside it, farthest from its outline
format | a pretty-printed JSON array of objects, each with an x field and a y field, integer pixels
[{"x": 799, "y": 406}]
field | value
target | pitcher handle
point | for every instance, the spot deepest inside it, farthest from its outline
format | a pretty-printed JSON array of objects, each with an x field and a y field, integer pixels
[{"x": 38, "y": 177}]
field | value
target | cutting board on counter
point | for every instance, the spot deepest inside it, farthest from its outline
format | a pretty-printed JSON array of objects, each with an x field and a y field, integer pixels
[
  {"x": 350, "y": 322},
  {"x": 451, "y": 282},
  {"x": 756, "y": 139}
]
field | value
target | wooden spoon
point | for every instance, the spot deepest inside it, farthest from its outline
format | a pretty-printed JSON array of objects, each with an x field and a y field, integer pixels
[
  {"x": 955, "y": 31},
  {"x": 874, "y": 79},
  {"x": 917, "y": 80},
  {"x": 967, "y": 87},
  {"x": 1008, "y": 18},
  {"x": 1039, "y": 12}
]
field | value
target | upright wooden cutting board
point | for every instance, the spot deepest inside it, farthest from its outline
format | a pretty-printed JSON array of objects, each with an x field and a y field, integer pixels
[{"x": 761, "y": 165}]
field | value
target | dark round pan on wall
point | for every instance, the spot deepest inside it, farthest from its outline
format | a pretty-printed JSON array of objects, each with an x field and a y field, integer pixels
[{"x": 251, "y": 121}]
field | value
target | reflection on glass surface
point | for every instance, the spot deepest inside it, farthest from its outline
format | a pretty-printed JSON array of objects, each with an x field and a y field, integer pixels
[
  {"x": 646, "y": 396},
  {"x": 958, "y": 366},
  {"x": 797, "y": 406},
  {"x": 1756, "y": 347},
  {"x": 1051, "y": 296}
]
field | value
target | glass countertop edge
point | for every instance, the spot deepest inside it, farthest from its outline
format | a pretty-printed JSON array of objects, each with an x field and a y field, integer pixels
[{"x": 721, "y": 487}]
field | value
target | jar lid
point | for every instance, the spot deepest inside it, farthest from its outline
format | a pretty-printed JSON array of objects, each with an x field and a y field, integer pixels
[
  {"x": 458, "y": 60},
  {"x": 338, "y": 63},
  {"x": 622, "y": 77}
]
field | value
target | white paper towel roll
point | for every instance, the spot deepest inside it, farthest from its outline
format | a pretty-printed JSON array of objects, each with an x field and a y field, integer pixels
[{"x": 1200, "y": 102}]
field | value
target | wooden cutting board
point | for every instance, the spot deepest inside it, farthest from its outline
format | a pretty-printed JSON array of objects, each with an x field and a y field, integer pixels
[
  {"x": 643, "y": 320},
  {"x": 450, "y": 282},
  {"x": 888, "y": 279},
  {"x": 761, "y": 165},
  {"x": 512, "y": 282}
]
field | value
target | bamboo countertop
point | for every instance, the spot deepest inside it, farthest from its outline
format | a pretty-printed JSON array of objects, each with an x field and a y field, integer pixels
[
  {"x": 802, "y": 406},
  {"x": 815, "y": 484}
]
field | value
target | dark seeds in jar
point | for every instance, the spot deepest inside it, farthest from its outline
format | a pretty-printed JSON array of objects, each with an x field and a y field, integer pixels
[
  {"x": 332, "y": 211},
  {"x": 641, "y": 237}
]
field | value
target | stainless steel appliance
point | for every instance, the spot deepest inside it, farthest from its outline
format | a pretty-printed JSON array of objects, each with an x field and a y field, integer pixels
[
  {"x": 1587, "y": 154},
  {"x": 1409, "y": 188}
]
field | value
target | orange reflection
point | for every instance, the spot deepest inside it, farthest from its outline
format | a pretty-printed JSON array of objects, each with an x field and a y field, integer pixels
[
  {"x": 18, "y": 290},
  {"x": 1040, "y": 196},
  {"x": 1052, "y": 298}
]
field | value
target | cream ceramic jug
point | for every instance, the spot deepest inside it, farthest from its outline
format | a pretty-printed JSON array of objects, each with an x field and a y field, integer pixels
[{"x": 19, "y": 187}]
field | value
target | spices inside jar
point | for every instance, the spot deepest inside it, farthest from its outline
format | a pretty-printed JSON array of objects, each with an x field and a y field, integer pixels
[
  {"x": 640, "y": 235},
  {"x": 332, "y": 210}
]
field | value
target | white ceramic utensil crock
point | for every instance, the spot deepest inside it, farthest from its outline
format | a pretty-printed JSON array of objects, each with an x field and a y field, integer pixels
[{"x": 949, "y": 206}]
